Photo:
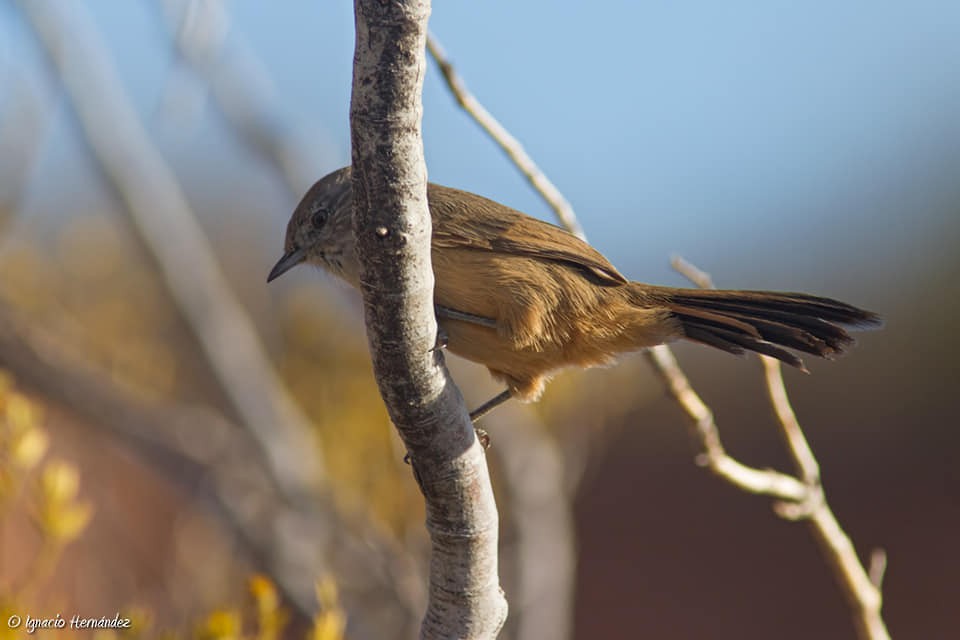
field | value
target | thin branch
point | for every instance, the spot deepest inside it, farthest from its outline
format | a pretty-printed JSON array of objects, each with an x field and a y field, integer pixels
[
  {"x": 169, "y": 229},
  {"x": 691, "y": 272},
  {"x": 760, "y": 481},
  {"x": 861, "y": 588},
  {"x": 806, "y": 463},
  {"x": 878, "y": 567},
  {"x": 392, "y": 230},
  {"x": 862, "y": 594},
  {"x": 510, "y": 145}
]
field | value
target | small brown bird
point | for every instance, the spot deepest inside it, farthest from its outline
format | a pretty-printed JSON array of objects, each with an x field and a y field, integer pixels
[{"x": 526, "y": 298}]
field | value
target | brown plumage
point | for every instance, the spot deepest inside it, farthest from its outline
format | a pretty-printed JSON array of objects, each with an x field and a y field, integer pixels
[{"x": 525, "y": 298}]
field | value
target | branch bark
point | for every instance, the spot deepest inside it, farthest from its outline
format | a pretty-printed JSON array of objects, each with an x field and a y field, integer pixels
[{"x": 393, "y": 230}]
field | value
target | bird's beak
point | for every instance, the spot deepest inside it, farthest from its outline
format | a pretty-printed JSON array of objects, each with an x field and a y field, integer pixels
[{"x": 289, "y": 260}]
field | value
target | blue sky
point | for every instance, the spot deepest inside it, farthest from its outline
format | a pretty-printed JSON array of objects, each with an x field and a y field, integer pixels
[{"x": 757, "y": 138}]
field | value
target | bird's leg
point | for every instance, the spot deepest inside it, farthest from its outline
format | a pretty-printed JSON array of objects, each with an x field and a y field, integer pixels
[
  {"x": 483, "y": 410},
  {"x": 490, "y": 405},
  {"x": 478, "y": 413},
  {"x": 442, "y": 339},
  {"x": 446, "y": 313}
]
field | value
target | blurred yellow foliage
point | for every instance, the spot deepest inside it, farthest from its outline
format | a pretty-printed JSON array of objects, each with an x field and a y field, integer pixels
[
  {"x": 28, "y": 447},
  {"x": 271, "y": 619},
  {"x": 331, "y": 620},
  {"x": 50, "y": 500},
  {"x": 61, "y": 517},
  {"x": 222, "y": 624},
  {"x": 22, "y": 442},
  {"x": 50, "y": 490}
]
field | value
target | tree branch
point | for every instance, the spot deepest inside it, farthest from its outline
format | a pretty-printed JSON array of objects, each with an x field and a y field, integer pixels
[
  {"x": 862, "y": 588},
  {"x": 760, "y": 481},
  {"x": 392, "y": 230}
]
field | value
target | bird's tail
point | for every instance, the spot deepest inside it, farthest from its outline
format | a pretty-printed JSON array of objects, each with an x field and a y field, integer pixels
[{"x": 766, "y": 322}]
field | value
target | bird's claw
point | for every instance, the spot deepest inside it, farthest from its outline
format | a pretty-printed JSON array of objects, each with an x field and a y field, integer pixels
[
  {"x": 483, "y": 437},
  {"x": 442, "y": 340}
]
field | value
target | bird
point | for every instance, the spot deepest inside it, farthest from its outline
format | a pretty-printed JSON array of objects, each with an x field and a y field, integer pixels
[{"x": 527, "y": 299}]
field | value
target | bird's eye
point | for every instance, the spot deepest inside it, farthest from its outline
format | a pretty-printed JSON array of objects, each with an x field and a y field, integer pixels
[{"x": 319, "y": 216}]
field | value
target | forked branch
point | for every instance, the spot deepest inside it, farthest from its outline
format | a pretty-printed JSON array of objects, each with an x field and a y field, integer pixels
[{"x": 800, "y": 498}]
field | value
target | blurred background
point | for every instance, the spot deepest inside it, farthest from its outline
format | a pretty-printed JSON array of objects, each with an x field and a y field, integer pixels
[{"x": 185, "y": 445}]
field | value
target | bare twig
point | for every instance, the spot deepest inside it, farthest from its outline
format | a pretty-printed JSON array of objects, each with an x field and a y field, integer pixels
[
  {"x": 392, "y": 228},
  {"x": 690, "y": 271},
  {"x": 862, "y": 589},
  {"x": 168, "y": 227},
  {"x": 510, "y": 145},
  {"x": 806, "y": 463},
  {"x": 878, "y": 567},
  {"x": 761, "y": 481}
]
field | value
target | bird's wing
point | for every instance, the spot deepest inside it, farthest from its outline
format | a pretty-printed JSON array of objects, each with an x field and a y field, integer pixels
[{"x": 473, "y": 222}]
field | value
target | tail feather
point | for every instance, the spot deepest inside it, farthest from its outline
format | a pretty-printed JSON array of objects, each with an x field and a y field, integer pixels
[
  {"x": 775, "y": 332},
  {"x": 716, "y": 319},
  {"x": 736, "y": 343},
  {"x": 801, "y": 304},
  {"x": 767, "y": 322},
  {"x": 834, "y": 337}
]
